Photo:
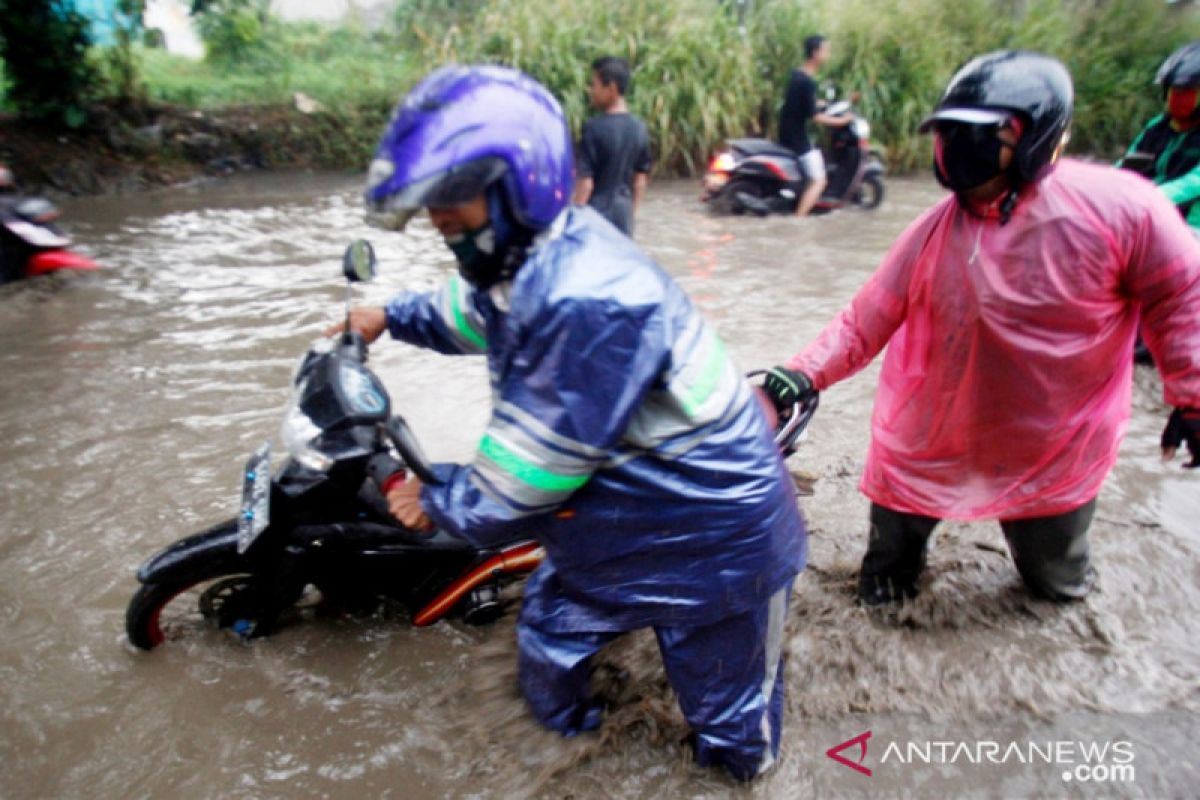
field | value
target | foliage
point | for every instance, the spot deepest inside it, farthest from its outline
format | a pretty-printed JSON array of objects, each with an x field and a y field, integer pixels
[
  {"x": 234, "y": 31},
  {"x": 704, "y": 70},
  {"x": 701, "y": 77},
  {"x": 44, "y": 46},
  {"x": 343, "y": 68},
  {"x": 119, "y": 63}
]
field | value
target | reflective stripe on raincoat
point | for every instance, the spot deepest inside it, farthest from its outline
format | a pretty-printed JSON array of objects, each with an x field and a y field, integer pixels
[
  {"x": 621, "y": 436},
  {"x": 1006, "y": 387}
]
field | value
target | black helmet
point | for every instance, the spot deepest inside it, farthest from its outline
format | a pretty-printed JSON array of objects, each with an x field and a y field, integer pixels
[
  {"x": 1182, "y": 68},
  {"x": 990, "y": 87}
]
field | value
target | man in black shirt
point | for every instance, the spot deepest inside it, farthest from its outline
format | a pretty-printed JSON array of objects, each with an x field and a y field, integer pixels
[
  {"x": 799, "y": 106},
  {"x": 614, "y": 152}
]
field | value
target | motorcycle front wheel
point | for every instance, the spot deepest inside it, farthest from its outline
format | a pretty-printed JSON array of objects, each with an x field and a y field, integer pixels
[
  {"x": 870, "y": 193},
  {"x": 144, "y": 616}
]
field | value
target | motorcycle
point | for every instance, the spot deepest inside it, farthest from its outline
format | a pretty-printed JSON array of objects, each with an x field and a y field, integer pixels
[
  {"x": 322, "y": 519},
  {"x": 30, "y": 242},
  {"x": 762, "y": 177}
]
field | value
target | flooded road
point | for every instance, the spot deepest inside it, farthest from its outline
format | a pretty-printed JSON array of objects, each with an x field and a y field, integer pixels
[{"x": 131, "y": 398}]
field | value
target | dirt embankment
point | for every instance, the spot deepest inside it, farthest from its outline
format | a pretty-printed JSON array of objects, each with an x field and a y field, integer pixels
[{"x": 130, "y": 149}]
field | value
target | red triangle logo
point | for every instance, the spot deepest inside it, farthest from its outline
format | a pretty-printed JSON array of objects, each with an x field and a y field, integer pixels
[{"x": 835, "y": 753}]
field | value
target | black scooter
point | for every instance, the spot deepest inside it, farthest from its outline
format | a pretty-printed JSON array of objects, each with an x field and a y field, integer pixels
[
  {"x": 761, "y": 177},
  {"x": 322, "y": 520}
]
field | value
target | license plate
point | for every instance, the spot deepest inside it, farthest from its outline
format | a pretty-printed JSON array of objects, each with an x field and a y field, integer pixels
[{"x": 256, "y": 498}]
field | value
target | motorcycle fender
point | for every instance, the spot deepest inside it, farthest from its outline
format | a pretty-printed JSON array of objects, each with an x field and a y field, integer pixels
[
  {"x": 55, "y": 260},
  {"x": 207, "y": 554}
]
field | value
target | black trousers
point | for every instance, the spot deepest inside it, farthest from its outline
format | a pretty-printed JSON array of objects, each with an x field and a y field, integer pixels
[{"x": 1051, "y": 553}]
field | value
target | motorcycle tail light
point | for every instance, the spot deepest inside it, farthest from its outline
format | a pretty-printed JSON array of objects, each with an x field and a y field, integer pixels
[{"x": 722, "y": 162}]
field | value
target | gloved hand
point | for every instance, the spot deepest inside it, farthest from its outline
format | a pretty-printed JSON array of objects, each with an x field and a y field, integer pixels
[
  {"x": 786, "y": 387},
  {"x": 1182, "y": 426}
]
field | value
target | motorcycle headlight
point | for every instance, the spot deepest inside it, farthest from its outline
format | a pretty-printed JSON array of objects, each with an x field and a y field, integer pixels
[{"x": 299, "y": 433}]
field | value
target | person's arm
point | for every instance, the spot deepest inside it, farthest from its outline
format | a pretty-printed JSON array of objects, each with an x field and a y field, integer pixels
[
  {"x": 833, "y": 121},
  {"x": 446, "y": 320},
  {"x": 565, "y": 402},
  {"x": 640, "y": 180},
  {"x": 856, "y": 335},
  {"x": 583, "y": 190},
  {"x": 585, "y": 165},
  {"x": 641, "y": 167},
  {"x": 1183, "y": 189},
  {"x": 1163, "y": 275}
]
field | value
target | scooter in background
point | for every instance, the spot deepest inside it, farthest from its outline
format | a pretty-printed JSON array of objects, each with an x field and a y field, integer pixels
[
  {"x": 31, "y": 243},
  {"x": 762, "y": 177}
]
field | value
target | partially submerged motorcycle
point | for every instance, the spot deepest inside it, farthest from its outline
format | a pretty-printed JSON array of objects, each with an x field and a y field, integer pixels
[
  {"x": 322, "y": 520},
  {"x": 31, "y": 244}
]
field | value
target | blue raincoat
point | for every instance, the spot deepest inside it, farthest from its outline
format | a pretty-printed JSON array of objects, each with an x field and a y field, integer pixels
[{"x": 624, "y": 439}]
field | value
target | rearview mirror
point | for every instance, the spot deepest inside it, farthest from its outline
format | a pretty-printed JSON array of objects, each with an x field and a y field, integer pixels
[{"x": 358, "y": 264}]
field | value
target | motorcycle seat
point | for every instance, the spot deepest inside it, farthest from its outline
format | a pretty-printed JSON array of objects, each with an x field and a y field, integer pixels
[{"x": 760, "y": 147}]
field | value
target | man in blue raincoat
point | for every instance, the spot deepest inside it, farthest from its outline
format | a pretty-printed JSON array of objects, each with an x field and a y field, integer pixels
[{"x": 621, "y": 436}]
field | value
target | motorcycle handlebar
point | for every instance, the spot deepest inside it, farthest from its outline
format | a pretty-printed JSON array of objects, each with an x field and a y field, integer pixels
[
  {"x": 353, "y": 346},
  {"x": 402, "y": 438}
]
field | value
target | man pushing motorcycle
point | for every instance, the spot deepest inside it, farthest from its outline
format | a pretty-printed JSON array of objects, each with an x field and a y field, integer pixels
[
  {"x": 621, "y": 435},
  {"x": 1008, "y": 311}
]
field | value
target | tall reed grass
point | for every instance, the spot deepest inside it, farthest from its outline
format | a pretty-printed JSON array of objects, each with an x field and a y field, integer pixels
[{"x": 699, "y": 76}]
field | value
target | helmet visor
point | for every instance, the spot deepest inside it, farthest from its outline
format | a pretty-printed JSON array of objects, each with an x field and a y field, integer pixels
[
  {"x": 971, "y": 116},
  {"x": 392, "y": 207}
]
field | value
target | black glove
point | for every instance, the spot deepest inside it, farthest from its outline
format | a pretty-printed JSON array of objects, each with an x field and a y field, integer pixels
[
  {"x": 1183, "y": 426},
  {"x": 786, "y": 387}
]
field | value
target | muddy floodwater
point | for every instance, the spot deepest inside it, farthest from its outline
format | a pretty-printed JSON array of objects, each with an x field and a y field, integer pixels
[{"x": 129, "y": 399}]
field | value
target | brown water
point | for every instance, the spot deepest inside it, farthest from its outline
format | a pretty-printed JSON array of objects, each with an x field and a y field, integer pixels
[{"x": 131, "y": 398}]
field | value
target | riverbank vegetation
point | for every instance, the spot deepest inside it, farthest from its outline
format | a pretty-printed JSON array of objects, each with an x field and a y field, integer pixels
[{"x": 704, "y": 69}]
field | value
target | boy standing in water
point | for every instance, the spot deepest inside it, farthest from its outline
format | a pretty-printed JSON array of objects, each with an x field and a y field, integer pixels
[{"x": 614, "y": 151}]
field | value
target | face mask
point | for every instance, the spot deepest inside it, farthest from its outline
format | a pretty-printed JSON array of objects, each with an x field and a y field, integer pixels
[
  {"x": 966, "y": 155},
  {"x": 475, "y": 251},
  {"x": 1181, "y": 102},
  {"x": 494, "y": 251}
]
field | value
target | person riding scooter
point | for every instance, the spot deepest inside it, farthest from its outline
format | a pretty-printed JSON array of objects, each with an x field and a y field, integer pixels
[
  {"x": 30, "y": 243},
  {"x": 1167, "y": 151},
  {"x": 799, "y": 106},
  {"x": 621, "y": 436}
]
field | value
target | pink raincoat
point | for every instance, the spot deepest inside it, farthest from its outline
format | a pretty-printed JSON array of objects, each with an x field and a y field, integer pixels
[{"x": 1006, "y": 386}]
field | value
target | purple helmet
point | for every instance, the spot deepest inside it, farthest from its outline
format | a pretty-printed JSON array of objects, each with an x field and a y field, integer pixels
[{"x": 459, "y": 130}]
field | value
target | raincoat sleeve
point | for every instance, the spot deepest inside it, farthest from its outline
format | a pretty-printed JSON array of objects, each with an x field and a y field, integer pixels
[
  {"x": 1183, "y": 189},
  {"x": 1163, "y": 273},
  {"x": 564, "y": 403},
  {"x": 863, "y": 328},
  {"x": 446, "y": 320}
]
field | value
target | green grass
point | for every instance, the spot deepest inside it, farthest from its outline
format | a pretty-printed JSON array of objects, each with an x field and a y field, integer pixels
[{"x": 340, "y": 67}]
